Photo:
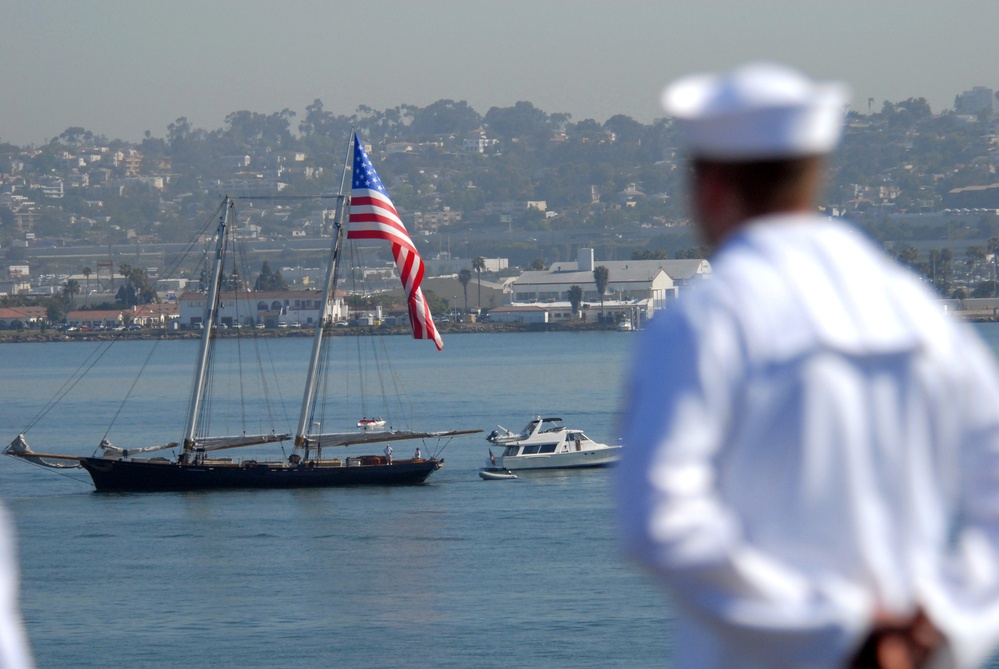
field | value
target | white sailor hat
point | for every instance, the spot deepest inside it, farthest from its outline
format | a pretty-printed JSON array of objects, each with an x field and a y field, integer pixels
[{"x": 756, "y": 112}]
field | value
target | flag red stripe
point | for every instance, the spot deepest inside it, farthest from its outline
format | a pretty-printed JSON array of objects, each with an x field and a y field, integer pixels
[
  {"x": 371, "y": 226},
  {"x": 378, "y": 234},
  {"x": 367, "y": 198}
]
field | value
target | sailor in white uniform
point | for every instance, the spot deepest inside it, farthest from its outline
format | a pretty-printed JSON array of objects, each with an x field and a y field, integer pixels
[
  {"x": 14, "y": 650},
  {"x": 811, "y": 460}
]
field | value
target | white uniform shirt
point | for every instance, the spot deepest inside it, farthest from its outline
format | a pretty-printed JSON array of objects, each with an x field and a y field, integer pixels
[
  {"x": 14, "y": 652},
  {"x": 808, "y": 438}
]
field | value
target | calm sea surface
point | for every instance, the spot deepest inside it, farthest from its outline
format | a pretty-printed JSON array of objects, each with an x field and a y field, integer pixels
[{"x": 457, "y": 573}]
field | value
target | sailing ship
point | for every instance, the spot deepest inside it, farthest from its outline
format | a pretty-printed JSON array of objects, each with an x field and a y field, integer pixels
[{"x": 195, "y": 466}]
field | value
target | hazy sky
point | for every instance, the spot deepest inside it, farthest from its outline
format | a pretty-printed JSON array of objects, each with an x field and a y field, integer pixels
[{"x": 122, "y": 67}]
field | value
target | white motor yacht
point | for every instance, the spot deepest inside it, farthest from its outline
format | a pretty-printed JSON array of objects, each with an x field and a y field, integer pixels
[{"x": 545, "y": 443}]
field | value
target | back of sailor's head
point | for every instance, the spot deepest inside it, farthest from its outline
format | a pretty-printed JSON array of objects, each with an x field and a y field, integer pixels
[{"x": 759, "y": 111}]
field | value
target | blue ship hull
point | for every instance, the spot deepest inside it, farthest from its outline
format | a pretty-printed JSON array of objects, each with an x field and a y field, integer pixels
[{"x": 164, "y": 476}]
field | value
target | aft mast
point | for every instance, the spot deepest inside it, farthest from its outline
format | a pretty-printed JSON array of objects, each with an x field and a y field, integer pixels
[
  {"x": 329, "y": 296},
  {"x": 325, "y": 315},
  {"x": 207, "y": 332}
]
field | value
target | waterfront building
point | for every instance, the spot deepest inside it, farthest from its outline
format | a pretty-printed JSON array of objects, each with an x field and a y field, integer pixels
[
  {"x": 271, "y": 308},
  {"x": 635, "y": 288}
]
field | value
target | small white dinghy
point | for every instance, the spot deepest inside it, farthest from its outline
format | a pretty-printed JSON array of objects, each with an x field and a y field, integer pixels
[
  {"x": 371, "y": 423},
  {"x": 496, "y": 474}
]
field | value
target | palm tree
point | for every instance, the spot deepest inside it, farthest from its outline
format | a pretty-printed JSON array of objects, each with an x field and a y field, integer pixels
[
  {"x": 994, "y": 250},
  {"x": 479, "y": 264},
  {"x": 575, "y": 298},
  {"x": 601, "y": 276},
  {"x": 86, "y": 273},
  {"x": 70, "y": 289},
  {"x": 464, "y": 276},
  {"x": 976, "y": 256}
]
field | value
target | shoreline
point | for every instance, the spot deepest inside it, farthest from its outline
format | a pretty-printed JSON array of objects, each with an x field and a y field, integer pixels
[
  {"x": 51, "y": 335},
  {"x": 33, "y": 336}
]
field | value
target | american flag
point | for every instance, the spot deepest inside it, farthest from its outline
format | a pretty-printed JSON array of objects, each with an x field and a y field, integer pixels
[{"x": 373, "y": 216}]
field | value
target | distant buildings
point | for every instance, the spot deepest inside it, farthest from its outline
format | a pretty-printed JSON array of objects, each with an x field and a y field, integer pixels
[
  {"x": 974, "y": 197},
  {"x": 10, "y": 317},
  {"x": 476, "y": 142},
  {"x": 979, "y": 99},
  {"x": 270, "y": 308},
  {"x": 635, "y": 288}
]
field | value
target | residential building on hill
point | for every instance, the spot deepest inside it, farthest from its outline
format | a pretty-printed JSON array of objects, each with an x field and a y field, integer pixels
[{"x": 978, "y": 99}]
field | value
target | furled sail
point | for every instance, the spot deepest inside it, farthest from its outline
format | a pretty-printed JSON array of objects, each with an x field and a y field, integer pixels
[
  {"x": 352, "y": 438},
  {"x": 19, "y": 447},
  {"x": 113, "y": 452},
  {"x": 237, "y": 441},
  {"x": 205, "y": 444}
]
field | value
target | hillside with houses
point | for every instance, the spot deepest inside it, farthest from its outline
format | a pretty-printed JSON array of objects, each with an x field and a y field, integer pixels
[{"x": 521, "y": 201}]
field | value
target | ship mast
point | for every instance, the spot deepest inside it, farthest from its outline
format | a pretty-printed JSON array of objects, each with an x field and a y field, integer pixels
[
  {"x": 325, "y": 314},
  {"x": 207, "y": 324},
  {"x": 329, "y": 297}
]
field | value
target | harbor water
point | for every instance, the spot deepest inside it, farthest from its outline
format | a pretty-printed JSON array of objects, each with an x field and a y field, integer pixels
[{"x": 459, "y": 572}]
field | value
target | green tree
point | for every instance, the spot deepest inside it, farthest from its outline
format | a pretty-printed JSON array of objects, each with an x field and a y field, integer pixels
[
  {"x": 137, "y": 289},
  {"x": 55, "y": 311},
  {"x": 479, "y": 264},
  {"x": 269, "y": 280},
  {"x": 994, "y": 250},
  {"x": 245, "y": 130},
  {"x": 976, "y": 255},
  {"x": 437, "y": 304},
  {"x": 575, "y": 299},
  {"x": 908, "y": 256},
  {"x": 523, "y": 121},
  {"x": 70, "y": 289},
  {"x": 940, "y": 269},
  {"x": 601, "y": 276},
  {"x": 464, "y": 276},
  {"x": 445, "y": 117},
  {"x": 322, "y": 132}
]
